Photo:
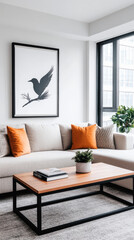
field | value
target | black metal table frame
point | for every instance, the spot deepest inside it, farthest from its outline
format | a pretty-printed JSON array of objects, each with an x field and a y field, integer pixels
[{"x": 38, "y": 229}]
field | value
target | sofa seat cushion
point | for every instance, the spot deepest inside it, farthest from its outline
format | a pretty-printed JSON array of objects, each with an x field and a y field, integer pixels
[
  {"x": 35, "y": 161},
  {"x": 119, "y": 158}
]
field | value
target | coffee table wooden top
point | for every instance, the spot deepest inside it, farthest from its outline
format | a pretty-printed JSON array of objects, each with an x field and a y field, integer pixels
[{"x": 100, "y": 172}]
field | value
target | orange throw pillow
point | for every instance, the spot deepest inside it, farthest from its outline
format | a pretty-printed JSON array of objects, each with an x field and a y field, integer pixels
[
  {"x": 84, "y": 137},
  {"x": 18, "y": 140}
]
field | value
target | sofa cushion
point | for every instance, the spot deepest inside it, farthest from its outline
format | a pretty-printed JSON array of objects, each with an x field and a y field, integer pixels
[
  {"x": 66, "y": 134},
  {"x": 4, "y": 145},
  {"x": 3, "y": 127},
  {"x": 105, "y": 137},
  {"x": 119, "y": 158},
  {"x": 35, "y": 161},
  {"x": 18, "y": 140},
  {"x": 44, "y": 137},
  {"x": 83, "y": 137}
]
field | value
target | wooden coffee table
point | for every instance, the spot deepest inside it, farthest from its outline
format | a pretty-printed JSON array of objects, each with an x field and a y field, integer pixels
[{"x": 101, "y": 173}]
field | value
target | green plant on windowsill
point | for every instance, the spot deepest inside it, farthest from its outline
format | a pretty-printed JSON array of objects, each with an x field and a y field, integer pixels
[{"x": 124, "y": 119}]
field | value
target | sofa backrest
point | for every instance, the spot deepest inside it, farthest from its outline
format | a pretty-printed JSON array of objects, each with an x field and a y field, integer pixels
[
  {"x": 124, "y": 141},
  {"x": 44, "y": 137},
  {"x": 3, "y": 127}
]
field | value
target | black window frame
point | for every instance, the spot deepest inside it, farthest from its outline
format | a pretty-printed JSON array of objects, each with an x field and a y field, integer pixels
[{"x": 100, "y": 108}]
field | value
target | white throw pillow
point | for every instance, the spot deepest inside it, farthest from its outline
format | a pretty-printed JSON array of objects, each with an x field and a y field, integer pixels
[{"x": 44, "y": 137}]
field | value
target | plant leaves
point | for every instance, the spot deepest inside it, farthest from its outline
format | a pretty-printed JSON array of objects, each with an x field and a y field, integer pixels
[{"x": 124, "y": 118}]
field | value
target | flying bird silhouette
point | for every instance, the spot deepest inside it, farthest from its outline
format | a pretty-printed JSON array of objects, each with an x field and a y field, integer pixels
[{"x": 39, "y": 87}]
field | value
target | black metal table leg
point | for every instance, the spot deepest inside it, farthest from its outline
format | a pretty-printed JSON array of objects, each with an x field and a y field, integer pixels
[
  {"x": 14, "y": 195},
  {"x": 39, "y": 217},
  {"x": 101, "y": 187},
  {"x": 38, "y": 229}
]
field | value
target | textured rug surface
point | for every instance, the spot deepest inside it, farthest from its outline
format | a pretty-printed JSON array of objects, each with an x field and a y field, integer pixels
[{"x": 116, "y": 227}]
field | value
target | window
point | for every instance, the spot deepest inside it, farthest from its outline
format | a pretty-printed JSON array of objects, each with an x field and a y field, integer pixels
[
  {"x": 107, "y": 75},
  {"x": 115, "y": 76}
]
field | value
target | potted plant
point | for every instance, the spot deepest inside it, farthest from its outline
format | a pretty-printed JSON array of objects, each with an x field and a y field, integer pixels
[
  {"x": 124, "y": 119},
  {"x": 83, "y": 161}
]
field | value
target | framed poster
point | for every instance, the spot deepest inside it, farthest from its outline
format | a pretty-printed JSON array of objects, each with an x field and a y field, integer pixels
[{"x": 35, "y": 78}]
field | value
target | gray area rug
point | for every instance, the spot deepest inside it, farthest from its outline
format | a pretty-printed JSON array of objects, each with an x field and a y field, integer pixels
[{"x": 119, "y": 226}]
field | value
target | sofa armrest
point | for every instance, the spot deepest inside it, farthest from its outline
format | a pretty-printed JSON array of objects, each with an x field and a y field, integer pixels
[{"x": 123, "y": 141}]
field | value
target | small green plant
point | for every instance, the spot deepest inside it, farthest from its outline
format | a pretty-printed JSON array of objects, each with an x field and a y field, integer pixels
[
  {"x": 83, "y": 157},
  {"x": 124, "y": 118}
]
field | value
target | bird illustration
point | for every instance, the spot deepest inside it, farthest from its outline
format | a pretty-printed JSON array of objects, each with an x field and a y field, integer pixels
[{"x": 39, "y": 87}]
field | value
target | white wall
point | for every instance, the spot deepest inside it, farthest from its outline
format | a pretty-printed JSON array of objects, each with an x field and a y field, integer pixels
[
  {"x": 113, "y": 25},
  {"x": 91, "y": 82},
  {"x": 77, "y": 56},
  {"x": 73, "y": 77},
  {"x": 42, "y": 22}
]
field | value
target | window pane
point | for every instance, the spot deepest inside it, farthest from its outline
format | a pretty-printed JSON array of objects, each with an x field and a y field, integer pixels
[
  {"x": 126, "y": 78},
  {"x": 107, "y": 77},
  {"x": 107, "y": 118},
  {"x": 126, "y": 99},
  {"x": 107, "y": 96},
  {"x": 108, "y": 54},
  {"x": 126, "y": 56},
  {"x": 107, "y": 74},
  {"x": 126, "y": 71}
]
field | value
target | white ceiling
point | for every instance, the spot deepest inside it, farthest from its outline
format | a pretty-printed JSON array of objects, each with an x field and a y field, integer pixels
[{"x": 81, "y": 10}]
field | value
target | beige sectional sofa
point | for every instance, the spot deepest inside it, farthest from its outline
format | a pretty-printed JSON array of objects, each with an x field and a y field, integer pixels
[{"x": 50, "y": 145}]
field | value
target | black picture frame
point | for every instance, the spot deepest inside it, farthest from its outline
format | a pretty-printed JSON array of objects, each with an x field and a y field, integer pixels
[{"x": 42, "y": 101}]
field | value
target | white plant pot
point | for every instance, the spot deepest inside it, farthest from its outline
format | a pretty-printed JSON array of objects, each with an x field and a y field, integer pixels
[{"x": 83, "y": 167}]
